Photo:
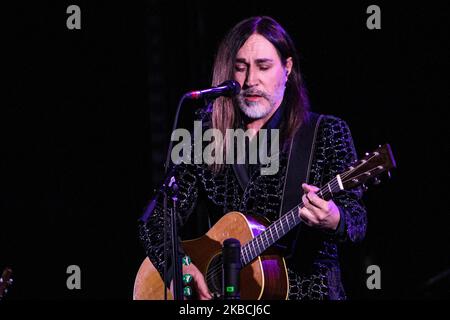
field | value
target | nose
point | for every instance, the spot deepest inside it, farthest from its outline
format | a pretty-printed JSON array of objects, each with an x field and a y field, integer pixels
[{"x": 251, "y": 80}]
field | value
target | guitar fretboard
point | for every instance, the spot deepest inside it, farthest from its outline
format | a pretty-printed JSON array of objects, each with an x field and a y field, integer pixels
[{"x": 283, "y": 225}]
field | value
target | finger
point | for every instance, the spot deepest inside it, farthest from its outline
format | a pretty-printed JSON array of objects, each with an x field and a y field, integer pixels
[
  {"x": 309, "y": 188},
  {"x": 316, "y": 210},
  {"x": 203, "y": 290},
  {"x": 307, "y": 217},
  {"x": 310, "y": 193},
  {"x": 205, "y": 295},
  {"x": 305, "y": 200},
  {"x": 316, "y": 201}
]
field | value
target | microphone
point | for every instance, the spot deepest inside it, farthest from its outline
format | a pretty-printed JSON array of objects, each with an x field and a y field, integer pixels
[
  {"x": 228, "y": 88},
  {"x": 231, "y": 253}
]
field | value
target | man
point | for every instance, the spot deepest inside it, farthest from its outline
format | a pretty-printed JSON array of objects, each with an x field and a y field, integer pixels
[{"x": 260, "y": 55}]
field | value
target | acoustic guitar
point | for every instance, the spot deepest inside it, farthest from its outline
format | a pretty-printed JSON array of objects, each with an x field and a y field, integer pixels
[{"x": 264, "y": 274}]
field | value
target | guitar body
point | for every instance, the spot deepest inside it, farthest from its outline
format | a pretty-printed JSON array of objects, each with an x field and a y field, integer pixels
[{"x": 264, "y": 278}]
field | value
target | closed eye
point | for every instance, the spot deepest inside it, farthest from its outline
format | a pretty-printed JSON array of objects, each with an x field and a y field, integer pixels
[{"x": 240, "y": 68}]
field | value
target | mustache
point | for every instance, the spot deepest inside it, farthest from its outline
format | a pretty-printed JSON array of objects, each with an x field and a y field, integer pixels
[{"x": 253, "y": 92}]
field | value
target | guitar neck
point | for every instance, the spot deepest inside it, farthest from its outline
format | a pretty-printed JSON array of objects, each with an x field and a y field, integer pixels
[
  {"x": 372, "y": 165},
  {"x": 283, "y": 225}
]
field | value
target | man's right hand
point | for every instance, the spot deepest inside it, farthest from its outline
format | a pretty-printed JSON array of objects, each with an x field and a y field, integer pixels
[{"x": 198, "y": 283}]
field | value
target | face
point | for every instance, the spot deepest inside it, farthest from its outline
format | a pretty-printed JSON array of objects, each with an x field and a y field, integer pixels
[{"x": 262, "y": 76}]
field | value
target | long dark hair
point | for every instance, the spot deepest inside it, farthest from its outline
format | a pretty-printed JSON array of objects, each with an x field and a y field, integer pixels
[{"x": 226, "y": 114}]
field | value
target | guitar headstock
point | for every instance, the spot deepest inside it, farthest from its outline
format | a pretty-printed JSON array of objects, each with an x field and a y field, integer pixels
[
  {"x": 5, "y": 281},
  {"x": 369, "y": 167}
]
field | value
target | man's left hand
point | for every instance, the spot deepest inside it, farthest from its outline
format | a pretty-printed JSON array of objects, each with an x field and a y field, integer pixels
[{"x": 318, "y": 212}]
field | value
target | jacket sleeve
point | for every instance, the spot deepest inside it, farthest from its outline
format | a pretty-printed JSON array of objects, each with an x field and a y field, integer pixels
[
  {"x": 340, "y": 154},
  {"x": 151, "y": 224}
]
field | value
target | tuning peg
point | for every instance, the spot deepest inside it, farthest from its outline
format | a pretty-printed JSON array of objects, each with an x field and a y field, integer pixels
[
  {"x": 389, "y": 174},
  {"x": 364, "y": 187},
  {"x": 376, "y": 181}
]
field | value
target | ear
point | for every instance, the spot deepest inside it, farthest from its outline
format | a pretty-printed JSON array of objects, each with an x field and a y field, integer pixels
[{"x": 289, "y": 65}]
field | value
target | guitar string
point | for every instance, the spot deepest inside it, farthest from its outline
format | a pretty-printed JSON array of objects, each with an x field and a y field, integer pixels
[
  {"x": 291, "y": 215},
  {"x": 215, "y": 271},
  {"x": 288, "y": 217},
  {"x": 218, "y": 268},
  {"x": 332, "y": 184}
]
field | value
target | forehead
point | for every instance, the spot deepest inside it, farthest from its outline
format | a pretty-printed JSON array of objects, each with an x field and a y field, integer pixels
[{"x": 257, "y": 47}]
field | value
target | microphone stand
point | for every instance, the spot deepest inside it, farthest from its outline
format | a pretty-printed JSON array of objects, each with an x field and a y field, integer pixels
[
  {"x": 176, "y": 263},
  {"x": 170, "y": 185}
]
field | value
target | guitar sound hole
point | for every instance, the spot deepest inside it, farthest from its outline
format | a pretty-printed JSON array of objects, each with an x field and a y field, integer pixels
[{"x": 214, "y": 276}]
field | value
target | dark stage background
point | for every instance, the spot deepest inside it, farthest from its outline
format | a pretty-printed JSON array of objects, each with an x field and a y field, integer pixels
[{"x": 87, "y": 117}]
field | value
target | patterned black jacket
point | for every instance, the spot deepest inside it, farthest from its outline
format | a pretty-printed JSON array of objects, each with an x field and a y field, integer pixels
[{"x": 313, "y": 268}]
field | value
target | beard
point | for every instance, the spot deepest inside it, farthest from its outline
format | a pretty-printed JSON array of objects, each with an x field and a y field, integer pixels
[
  {"x": 259, "y": 109},
  {"x": 254, "y": 109}
]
